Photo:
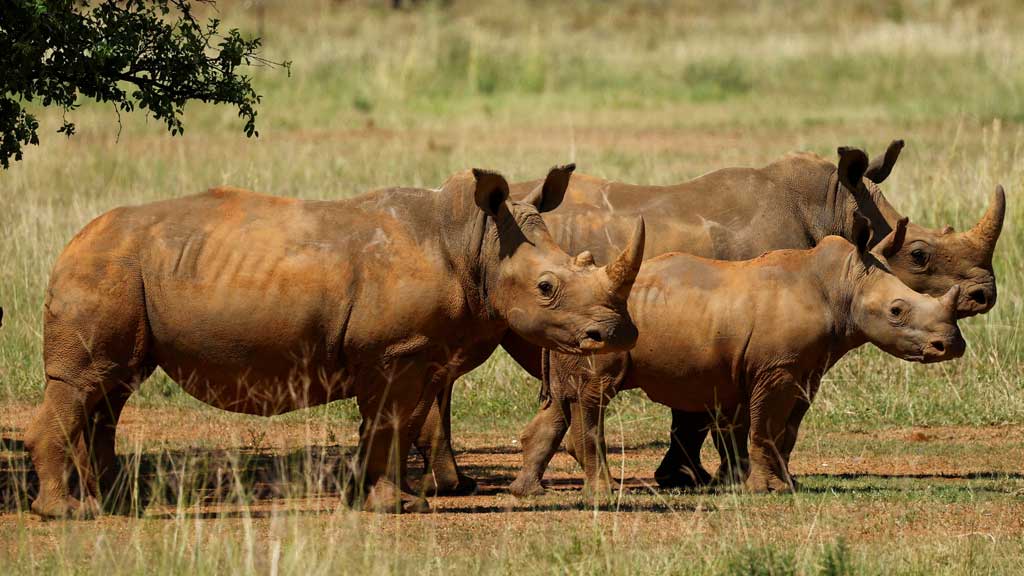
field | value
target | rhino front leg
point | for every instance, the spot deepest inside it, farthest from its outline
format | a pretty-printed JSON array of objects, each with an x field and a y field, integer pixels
[
  {"x": 441, "y": 474},
  {"x": 803, "y": 404},
  {"x": 384, "y": 445},
  {"x": 591, "y": 450},
  {"x": 681, "y": 467},
  {"x": 730, "y": 437},
  {"x": 771, "y": 404},
  {"x": 540, "y": 441}
]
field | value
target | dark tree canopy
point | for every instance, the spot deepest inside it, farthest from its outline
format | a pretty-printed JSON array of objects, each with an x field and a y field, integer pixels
[{"x": 149, "y": 54}]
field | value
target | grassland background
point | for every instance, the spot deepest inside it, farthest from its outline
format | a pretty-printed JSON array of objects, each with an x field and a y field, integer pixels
[{"x": 641, "y": 91}]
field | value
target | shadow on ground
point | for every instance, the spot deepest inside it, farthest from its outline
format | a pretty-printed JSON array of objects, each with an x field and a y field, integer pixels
[{"x": 233, "y": 476}]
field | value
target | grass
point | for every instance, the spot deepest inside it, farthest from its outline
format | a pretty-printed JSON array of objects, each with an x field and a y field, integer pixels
[{"x": 639, "y": 91}]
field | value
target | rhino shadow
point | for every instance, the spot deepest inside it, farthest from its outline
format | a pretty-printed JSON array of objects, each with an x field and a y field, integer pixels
[{"x": 190, "y": 476}]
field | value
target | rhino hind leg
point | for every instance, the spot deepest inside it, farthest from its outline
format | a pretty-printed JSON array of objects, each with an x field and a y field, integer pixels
[
  {"x": 96, "y": 350},
  {"x": 681, "y": 467},
  {"x": 441, "y": 474},
  {"x": 100, "y": 477}
]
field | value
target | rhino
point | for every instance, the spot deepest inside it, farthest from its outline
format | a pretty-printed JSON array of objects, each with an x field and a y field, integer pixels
[
  {"x": 746, "y": 340},
  {"x": 263, "y": 305},
  {"x": 738, "y": 214}
]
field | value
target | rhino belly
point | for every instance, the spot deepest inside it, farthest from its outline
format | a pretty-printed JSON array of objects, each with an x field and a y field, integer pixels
[
  {"x": 248, "y": 356},
  {"x": 688, "y": 387}
]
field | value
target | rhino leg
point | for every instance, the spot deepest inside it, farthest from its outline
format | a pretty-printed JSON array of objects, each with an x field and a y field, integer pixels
[
  {"x": 730, "y": 437},
  {"x": 591, "y": 450},
  {"x": 441, "y": 474},
  {"x": 55, "y": 428},
  {"x": 96, "y": 342},
  {"x": 540, "y": 441},
  {"x": 803, "y": 404},
  {"x": 96, "y": 447},
  {"x": 681, "y": 467},
  {"x": 772, "y": 402},
  {"x": 385, "y": 441}
]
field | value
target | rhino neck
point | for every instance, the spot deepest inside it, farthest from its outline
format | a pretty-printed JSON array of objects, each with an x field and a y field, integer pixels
[
  {"x": 827, "y": 207},
  {"x": 464, "y": 232},
  {"x": 836, "y": 266},
  {"x": 870, "y": 203}
]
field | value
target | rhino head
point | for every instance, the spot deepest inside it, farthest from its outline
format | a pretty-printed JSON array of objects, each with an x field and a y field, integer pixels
[
  {"x": 547, "y": 297},
  {"x": 929, "y": 260},
  {"x": 888, "y": 313}
]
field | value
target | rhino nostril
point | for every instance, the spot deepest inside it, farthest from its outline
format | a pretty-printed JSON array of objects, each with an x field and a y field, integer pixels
[
  {"x": 595, "y": 335},
  {"x": 939, "y": 346},
  {"x": 978, "y": 296}
]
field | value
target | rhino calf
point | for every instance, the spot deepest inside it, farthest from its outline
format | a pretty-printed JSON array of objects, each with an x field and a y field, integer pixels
[
  {"x": 264, "y": 305},
  {"x": 748, "y": 340}
]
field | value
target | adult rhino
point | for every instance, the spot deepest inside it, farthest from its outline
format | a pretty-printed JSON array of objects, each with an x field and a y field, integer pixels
[
  {"x": 264, "y": 305},
  {"x": 738, "y": 214}
]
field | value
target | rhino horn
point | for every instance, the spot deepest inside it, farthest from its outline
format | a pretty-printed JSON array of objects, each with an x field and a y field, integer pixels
[
  {"x": 879, "y": 168},
  {"x": 584, "y": 259},
  {"x": 987, "y": 230},
  {"x": 622, "y": 272}
]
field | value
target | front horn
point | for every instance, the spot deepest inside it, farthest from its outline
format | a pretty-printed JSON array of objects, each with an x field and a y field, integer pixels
[
  {"x": 622, "y": 272},
  {"x": 987, "y": 230}
]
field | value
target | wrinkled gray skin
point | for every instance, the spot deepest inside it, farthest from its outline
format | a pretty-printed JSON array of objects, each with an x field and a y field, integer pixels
[
  {"x": 745, "y": 340},
  {"x": 264, "y": 305},
  {"x": 736, "y": 214}
]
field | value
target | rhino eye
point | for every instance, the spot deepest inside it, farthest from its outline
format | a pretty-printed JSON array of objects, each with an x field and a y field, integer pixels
[
  {"x": 920, "y": 257},
  {"x": 897, "y": 310},
  {"x": 546, "y": 288}
]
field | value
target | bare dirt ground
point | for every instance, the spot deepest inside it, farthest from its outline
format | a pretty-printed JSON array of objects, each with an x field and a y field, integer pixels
[{"x": 903, "y": 484}]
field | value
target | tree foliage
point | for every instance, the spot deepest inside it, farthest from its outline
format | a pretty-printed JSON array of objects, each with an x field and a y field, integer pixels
[{"x": 149, "y": 54}]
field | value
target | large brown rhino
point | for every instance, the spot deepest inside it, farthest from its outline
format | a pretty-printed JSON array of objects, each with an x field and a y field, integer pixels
[
  {"x": 737, "y": 214},
  {"x": 263, "y": 305},
  {"x": 747, "y": 340}
]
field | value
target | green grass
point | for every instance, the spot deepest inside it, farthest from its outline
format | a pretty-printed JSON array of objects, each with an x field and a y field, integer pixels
[{"x": 639, "y": 91}]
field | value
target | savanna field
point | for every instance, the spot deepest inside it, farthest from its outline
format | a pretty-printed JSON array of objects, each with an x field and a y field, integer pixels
[{"x": 904, "y": 468}]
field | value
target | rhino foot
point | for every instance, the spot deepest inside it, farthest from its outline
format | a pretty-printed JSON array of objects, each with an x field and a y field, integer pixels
[
  {"x": 385, "y": 497},
  {"x": 69, "y": 507},
  {"x": 461, "y": 485},
  {"x": 765, "y": 484},
  {"x": 728, "y": 476},
  {"x": 684, "y": 477},
  {"x": 526, "y": 487},
  {"x": 603, "y": 488}
]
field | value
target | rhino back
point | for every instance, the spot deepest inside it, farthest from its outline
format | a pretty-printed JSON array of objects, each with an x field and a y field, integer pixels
[{"x": 728, "y": 214}]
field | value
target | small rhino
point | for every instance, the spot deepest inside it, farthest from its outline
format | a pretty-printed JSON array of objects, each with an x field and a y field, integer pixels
[
  {"x": 265, "y": 305},
  {"x": 748, "y": 340}
]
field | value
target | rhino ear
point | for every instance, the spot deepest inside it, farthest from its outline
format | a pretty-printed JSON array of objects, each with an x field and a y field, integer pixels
[
  {"x": 853, "y": 162},
  {"x": 491, "y": 190},
  {"x": 892, "y": 243},
  {"x": 880, "y": 168},
  {"x": 550, "y": 194},
  {"x": 861, "y": 233}
]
